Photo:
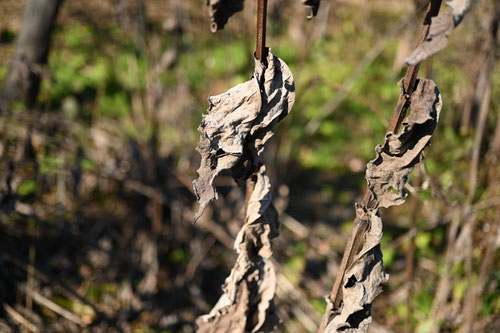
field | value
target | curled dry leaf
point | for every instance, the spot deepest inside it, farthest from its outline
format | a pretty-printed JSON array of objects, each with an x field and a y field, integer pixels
[
  {"x": 388, "y": 173},
  {"x": 363, "y": 280},
  {"x": 386, "y": 176},
  {"x": 239, "y": 123},
  {"x": 221, "y": 10},
  {"x": 440, "y": 29},
  {"x": 313, "y": 7},
  {"x": 247, "y": 302}
]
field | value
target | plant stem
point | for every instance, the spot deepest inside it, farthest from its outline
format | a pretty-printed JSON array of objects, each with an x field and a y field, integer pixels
[
  {"x": 358, "y": 231},
  {"x": 260, "y": 54},
  {"x": 260, "y": 48}
]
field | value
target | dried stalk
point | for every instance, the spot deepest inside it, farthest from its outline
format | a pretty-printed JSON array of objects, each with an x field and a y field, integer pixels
[
  {"x": 232, "y": 137},
  {"x": 403, "y": 103},
  {"x": 367, "y": 211},
  {"x": 386, "y": 176},
  {"x": 19, "y": 318},
  {"x": 260, "y": 47},
  {"x": 440, "y": 29}
]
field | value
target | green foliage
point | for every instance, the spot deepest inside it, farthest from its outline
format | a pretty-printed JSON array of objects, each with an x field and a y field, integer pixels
[
  {"x": 318, "y": 305},
  {"x": 296, "y": 263},
  {"x": 490, "y": 303},
  {"x": 100, "y": 75},
  {"x": 388, "y": 250},
  {"x": 7, "y": 36},
  {"x": 50, "y": 164},
  {"x": 422, "y": 303},
  {"x": 179, "y": 256},
  {"x": 27, "y": 187}
]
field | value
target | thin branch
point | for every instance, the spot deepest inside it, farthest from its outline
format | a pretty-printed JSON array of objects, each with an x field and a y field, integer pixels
[
  {"x": 19, "y": 318},
  {"x": 261, "y": 30},
  {"x": 45, "y": 302}
]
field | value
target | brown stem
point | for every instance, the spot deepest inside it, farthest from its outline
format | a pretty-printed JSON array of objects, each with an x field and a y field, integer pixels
[
  {"x": 351, "y": 249},
  {"x": 356, "y": 236},
  {"x": 260, "y": 54},
  {"x": 412, "y": 73},
  {"x": 260, "y": 47}
]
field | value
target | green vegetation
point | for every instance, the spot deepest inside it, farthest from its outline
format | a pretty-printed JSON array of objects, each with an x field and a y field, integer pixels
[{"x": 113, "y": 138}]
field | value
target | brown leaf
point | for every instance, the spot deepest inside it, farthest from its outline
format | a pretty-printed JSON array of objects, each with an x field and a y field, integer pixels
[
  {"x": 441, "y": 28},
  {"x": 239, "y": 123},
  {"x": 313, "y": 7},
  {"x": 363, "y": 280},
  {"x": 388, "y": 172},
  {"x": 247, "y": 303},
  {"x": 386, "y": 176},
  {"x": 221, "y": 10}
]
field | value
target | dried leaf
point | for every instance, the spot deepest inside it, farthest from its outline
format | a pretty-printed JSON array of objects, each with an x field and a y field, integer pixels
[
  {"x": 313, "y": 7},
  {"x": 363, "y": 280},
  {"x": 386, "y": 176},
  {"x": 388, "y": 172},
  {"x": 439, "y": 31},
  {"x": 221, "y": 10},
  {"x": 239, "y": 123},
  {"x": 247, "y": 303}
]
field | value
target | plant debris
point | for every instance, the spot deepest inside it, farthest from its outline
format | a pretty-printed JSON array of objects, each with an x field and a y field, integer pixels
[
  {"x": 221, "y": 10},
  {"x": 386, "y": 176},
  {"x": 247, "y": 303},
  {"x": 313, "y": 7},
  {"x": 232, "y": 137},
  {"x": 239, "y": 123},
  {"x": 440, "y": 30}
]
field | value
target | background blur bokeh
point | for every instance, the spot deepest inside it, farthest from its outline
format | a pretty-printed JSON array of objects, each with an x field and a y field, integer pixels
[{"x": 96, "y": 201}]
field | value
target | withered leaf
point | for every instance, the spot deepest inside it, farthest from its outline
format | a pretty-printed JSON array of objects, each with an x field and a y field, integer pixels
[
  {"x": 386, "y": 176},
  {"x": 440, "y": 29},
  {"x": 363, "y": 280},
  {"x": 221, "y": 10},
  {"x": 239, "y": 123},
  {"x": 247, "y": 303},
  {"x": 313, "y": 7},
  {"x": 388, "y": 172}
]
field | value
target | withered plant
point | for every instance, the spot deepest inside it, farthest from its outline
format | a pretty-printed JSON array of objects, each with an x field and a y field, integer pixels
[{"x": 232, "y": 138}]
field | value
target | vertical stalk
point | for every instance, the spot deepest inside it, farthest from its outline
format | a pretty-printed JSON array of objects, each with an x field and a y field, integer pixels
[
  {"x": 260, "y": 47},
  {"x": 260, "y": 54},
  {"x": 358, "y": 231},
  {"x": 412, "y": 72}
]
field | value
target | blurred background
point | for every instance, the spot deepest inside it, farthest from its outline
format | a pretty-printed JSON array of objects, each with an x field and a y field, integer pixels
[{"x": 97, "y": 155}]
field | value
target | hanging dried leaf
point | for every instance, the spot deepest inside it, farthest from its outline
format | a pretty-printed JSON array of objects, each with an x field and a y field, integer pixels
[
  {"x": 221, "y": 10},
  {"x": 239, "y": 123},
  {"x": 440, "y": 29},
  {"x": 313, "y": 7},
  {"x": 247, "y": 303},
  {"x": 363, "y": 280},
  {"x": 388, "y": 172},
  {"x": 386, "y": 176}
]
